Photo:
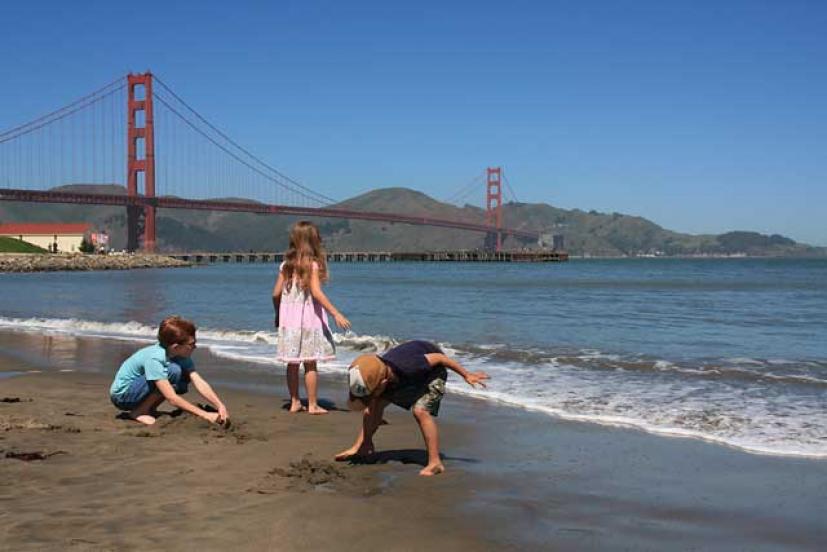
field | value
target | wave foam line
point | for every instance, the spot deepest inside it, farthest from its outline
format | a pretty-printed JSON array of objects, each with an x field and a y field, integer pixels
[
  {"x": 619, "y": 421},
  {"x": 143, "y": 332}
]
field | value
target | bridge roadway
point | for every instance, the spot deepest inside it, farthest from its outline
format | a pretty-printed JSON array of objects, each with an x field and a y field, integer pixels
[
  {"x": 381, "y": 256},
  {"x": 168, "y": 202}
]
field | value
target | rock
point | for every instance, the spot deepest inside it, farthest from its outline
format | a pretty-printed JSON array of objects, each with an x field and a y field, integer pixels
[{"x": 15, "y": 262}]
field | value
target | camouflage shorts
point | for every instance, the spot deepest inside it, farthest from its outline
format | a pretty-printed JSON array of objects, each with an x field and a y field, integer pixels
[{"x": 425, "y": 396}]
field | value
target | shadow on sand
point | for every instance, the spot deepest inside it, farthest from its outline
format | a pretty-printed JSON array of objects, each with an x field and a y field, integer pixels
[
  {"x": 124, "y": 415},
  {"x": 405, "y": 456}
]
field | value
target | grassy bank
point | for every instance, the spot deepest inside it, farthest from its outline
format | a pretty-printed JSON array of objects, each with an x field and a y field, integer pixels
[{"x": 12, "y": 245}]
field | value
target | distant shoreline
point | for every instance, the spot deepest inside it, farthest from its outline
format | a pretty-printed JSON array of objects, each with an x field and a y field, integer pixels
[
  {"x": 41, "y": 262},
  {"x": 697, "y": 257}
]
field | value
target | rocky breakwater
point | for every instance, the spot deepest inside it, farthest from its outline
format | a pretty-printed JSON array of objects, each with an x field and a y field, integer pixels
[{"x": 16, "y": 262}]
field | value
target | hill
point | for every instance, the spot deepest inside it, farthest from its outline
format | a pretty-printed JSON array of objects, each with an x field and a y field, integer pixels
[
  {"x": 586, "y": 233},
  {"x": 12, "y": 245}
]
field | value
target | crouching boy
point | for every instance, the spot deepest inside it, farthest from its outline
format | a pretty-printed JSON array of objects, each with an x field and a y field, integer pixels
[
  {"x": 163, "y": 372},
  {"x": 412, "y": 376}
]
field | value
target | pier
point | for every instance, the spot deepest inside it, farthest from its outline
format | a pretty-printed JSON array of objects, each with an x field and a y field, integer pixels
[{"x": 384, "y": 257}]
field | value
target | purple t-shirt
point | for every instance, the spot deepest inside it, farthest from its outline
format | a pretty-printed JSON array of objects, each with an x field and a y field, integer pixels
[{"x": 408, "y": 362}]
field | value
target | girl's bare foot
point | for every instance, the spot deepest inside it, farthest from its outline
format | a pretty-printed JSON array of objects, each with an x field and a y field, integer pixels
[
  {"x": 432, "y": 469},
  {"x": 317, "y": 410}
]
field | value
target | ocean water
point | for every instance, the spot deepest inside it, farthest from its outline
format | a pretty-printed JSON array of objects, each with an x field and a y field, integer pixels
[{"x": 727, "y": 350}]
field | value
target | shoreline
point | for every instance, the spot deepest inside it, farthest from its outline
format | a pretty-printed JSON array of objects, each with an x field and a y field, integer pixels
[
  {"x": 495, "y": 399},
  {"x": 52, "y": 262},
  {"x": 516, "y": 479}
]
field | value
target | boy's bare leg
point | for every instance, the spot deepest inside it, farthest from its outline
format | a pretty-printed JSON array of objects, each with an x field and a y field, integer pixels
[
  {"x": 293, "y": 387},
  {"x": 144, "y": 412},
  {"x": 430, "y": 433},
  {"x": 311, "y": 382},
  {"x": 371, "y": 419}
]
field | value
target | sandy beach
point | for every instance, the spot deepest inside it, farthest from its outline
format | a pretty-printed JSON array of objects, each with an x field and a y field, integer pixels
[{"x": 73, "y": 476}]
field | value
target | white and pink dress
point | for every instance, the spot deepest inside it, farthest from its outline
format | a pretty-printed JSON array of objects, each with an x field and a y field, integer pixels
[{"x": 304, "y": 332}]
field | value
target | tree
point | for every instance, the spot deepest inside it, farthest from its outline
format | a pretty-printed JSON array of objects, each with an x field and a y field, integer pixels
[{"x": 86, "y": 246}]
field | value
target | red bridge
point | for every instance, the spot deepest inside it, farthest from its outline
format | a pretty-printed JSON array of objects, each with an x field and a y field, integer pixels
[{"x": 91, "y": 141}]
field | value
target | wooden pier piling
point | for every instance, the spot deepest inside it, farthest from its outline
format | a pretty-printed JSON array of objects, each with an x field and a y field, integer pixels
[{"x": 384, "y": 256}]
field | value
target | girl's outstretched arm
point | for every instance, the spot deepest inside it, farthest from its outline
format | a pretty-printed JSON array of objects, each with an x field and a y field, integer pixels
[{"x": 321, "y": 298}]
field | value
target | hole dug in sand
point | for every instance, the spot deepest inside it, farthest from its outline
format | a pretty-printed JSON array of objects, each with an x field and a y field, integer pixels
[
  {"x": 8, "y": 423},
  {"x": 34, "y": 455},
  {"x": 179, "y": 423},
  {"x": 309, "y": 474},
  {"x": 314, "y": 472}
]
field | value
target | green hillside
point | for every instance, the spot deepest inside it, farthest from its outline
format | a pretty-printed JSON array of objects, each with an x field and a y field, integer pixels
[
  {"x": 585, "y": 233},
  {"x": 12, "y": 245}
]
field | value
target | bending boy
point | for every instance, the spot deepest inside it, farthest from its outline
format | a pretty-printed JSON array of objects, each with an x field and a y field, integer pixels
[
  {"x": 163, "y": 372},
  {"x": 411, "y": 375}
]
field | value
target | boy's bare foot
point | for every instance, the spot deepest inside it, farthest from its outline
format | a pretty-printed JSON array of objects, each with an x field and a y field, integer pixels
[
  {"x": 354, "y": 452},
  {"x": 316, "y": 410},
  {"x": 145, "y": 419},
  {"x": 345, "y": 455},
  {"x": 432, "y": 469},
  {"x": 296, "y": 407}
]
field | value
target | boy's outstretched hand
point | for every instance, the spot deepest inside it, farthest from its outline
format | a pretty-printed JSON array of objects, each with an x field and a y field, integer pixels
[{"x": 476, "y": 378}]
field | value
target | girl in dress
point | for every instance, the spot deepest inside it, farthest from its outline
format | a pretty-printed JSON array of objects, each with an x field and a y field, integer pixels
[{"x": 301, "y": 307}]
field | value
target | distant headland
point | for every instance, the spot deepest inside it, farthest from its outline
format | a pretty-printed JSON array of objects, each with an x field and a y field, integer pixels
[{"x": 586, "y": 233}]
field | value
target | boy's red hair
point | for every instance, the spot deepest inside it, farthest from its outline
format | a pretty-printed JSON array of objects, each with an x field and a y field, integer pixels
[{"x": 175, "y": 330}]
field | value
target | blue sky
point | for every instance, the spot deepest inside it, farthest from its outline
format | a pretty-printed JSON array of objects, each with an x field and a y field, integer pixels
[{"x": 703, "y": 116}]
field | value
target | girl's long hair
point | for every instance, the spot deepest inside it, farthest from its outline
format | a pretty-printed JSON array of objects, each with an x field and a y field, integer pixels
[{"x": 305, "y": 248}]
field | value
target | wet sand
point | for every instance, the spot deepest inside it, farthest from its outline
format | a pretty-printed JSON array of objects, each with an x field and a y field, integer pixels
[
  {"x": 266, "y": 483},
  {"x": 515, "y": 480}
]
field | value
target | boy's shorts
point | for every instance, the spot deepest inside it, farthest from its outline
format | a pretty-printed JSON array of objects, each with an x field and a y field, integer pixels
[
  {"x": 426, "y": 396},
  {"x": 140, "y": 390}
]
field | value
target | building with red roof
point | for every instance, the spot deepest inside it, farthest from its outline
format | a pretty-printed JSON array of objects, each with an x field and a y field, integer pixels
[{"x": 54, "y": 236}]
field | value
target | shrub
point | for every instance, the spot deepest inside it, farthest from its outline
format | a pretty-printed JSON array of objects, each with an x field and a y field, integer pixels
[{"x": 86, "y": 246}]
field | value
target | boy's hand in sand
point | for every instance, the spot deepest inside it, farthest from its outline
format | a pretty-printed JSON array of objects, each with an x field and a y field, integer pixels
[
  {"x": 223, "y": 414},
  {"x": 341, "y": 321},
  {"x": 212, "y": 417},
  {"x": 476, "y": 378}
]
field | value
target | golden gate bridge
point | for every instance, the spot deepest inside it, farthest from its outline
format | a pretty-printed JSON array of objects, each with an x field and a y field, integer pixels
[{"x": 124, "y": 124}]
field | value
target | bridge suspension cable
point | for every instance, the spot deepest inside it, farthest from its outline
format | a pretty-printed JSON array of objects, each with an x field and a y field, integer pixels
[
  {"x": 75, "y": 144},
  {"x": 309, "y": 195},
  {"x": 12, "y": 133},
  {"x": 510, "y": 189},
  {"x": 255, "y": 159},
  {"x": 474, "y": 186}
]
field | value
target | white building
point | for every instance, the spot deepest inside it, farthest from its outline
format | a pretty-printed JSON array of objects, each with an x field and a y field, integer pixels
[{"x": 65, "y": 238}]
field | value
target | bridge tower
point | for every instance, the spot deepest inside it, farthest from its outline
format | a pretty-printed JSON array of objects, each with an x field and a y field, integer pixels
[
  {"x": 493, "y": 211},
  {"x": 140, "y": 219}
]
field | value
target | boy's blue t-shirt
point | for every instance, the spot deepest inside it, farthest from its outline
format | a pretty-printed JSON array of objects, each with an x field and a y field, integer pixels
[{"x": 150, "y": 362}]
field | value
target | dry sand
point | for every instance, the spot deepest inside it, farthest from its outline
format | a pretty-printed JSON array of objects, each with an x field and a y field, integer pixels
[{"x": 92, "y": 481}]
